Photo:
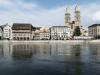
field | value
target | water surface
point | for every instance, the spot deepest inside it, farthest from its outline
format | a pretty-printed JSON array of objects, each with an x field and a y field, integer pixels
[{"x": 49, "y": 59}]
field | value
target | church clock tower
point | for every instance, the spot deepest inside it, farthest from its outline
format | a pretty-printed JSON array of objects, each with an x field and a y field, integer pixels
[
  {"x": 67, "y": 18},
  {"x": 77, "y": 16}
]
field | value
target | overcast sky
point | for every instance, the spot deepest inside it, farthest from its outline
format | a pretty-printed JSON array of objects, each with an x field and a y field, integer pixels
[{"x": 47, "y": 12}]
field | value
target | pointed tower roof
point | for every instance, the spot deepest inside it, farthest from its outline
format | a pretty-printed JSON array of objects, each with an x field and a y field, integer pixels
[
  {"x": 67, "y": 11},
  {"x": 77, "y": 8}
]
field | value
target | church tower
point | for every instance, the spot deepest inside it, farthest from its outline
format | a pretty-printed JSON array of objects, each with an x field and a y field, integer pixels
[
  {"x": 67, "y": 18},
  {"x": 77, "y": 16}
]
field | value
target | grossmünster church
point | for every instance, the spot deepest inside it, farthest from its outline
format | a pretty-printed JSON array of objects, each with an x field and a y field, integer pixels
[{"x": 77, "y": 19}]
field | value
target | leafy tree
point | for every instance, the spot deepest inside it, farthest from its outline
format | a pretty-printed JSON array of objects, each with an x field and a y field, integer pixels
[{"x": 77, "y": 31}]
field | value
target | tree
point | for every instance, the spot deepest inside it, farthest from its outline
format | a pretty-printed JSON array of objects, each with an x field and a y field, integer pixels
[{"x": 77, "y": 31}]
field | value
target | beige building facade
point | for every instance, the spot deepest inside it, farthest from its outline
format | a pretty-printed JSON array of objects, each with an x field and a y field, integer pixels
[
  {"x": 37, "y": 35},
  {"x": 22, "y": 31},
  {"x": 44, "y": 34}
]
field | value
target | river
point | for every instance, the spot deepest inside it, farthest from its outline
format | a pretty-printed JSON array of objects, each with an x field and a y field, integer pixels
[{"x": 44, "y": 58}]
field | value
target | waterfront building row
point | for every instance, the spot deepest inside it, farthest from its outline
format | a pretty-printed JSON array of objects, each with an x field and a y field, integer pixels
[
  {"x": 22, "y": 31},
  {"x": 53, "y": 33}
]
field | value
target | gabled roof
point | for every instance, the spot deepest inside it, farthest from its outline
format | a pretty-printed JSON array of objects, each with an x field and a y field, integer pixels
[{"x": 2, "y": 26}]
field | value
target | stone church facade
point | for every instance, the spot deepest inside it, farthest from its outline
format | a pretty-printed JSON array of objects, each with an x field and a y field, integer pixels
[{"x": 77, "y": 20}]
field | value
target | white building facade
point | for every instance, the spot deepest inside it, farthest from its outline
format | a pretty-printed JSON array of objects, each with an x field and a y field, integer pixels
[
  {"x": 60, "y": 33},
  {"x": 7, "y": 32}
]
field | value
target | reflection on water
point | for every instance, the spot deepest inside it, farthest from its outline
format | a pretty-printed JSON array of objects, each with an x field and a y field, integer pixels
[
  {"x": 49, "y": 59},
  {"x": 24, "y": 50}
]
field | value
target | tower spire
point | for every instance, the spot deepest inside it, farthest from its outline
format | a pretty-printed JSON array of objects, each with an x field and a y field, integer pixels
[
  {"x": 77, "y": 14},
  {"x": 67, "y": 10},
  {"x": 77, "y": 7}
]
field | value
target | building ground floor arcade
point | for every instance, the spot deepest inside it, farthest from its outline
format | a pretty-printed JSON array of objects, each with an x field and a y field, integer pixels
[{"x": 22, "y": 36}]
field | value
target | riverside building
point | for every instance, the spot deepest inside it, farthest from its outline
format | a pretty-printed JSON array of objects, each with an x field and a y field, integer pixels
[
  {"x": 23, "y": 31},
  {"x": 44, "y": 34},
  {"x": 37, "y": 35},
  {"x": 6, "y": 32},
  {"x": 94, "y": 31},
  {"x": 59, "y": 33}
]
